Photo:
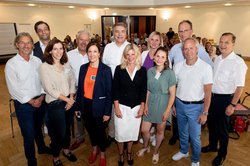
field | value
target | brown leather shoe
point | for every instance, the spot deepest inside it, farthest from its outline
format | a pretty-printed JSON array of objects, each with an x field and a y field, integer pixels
[{"x": 76, "y": 144}]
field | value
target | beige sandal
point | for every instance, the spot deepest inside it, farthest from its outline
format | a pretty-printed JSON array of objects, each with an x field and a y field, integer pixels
[
  {"x": 142, "y": 151},
  {"x": 155, "y": 158}
]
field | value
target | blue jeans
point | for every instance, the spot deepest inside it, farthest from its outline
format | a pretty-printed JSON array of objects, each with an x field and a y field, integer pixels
[
  {"x": 25, "y": 117},
  {"x": 58, "y": 122},
  {"x": 189, "y": 127}
]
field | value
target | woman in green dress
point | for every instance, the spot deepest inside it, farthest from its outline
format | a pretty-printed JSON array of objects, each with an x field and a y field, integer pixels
[{"x": 160, "y": 98}]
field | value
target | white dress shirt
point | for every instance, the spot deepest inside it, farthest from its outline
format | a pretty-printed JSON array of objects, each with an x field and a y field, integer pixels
[
  {"x": 22, "y": 78},
  {"x": 42, "y": 46},
  {"x": 229, "y": 73},
  {"x": 113, "y": 54},
  {"x": 76, "y": 60}
]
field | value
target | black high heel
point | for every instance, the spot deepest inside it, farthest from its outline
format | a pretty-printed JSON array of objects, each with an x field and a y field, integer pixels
[
  {"x": 121, "y": 160},
  {"x": 130, "y": 160}
]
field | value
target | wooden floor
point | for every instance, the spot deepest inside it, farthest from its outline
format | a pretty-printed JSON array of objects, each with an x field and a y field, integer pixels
[{"x": 12, "y": 154}]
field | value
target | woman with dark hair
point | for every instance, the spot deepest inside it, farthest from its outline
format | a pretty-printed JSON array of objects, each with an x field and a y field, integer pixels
[
  {"x": 59, "y": 85},
  {"x": 160, "y": 98},
  {"x": 94, "y": 100}
]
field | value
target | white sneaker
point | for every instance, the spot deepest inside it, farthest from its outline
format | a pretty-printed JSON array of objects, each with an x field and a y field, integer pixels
[
  {"x": 179, "y": 156},
  {"x": 195, "y": 164},
  {"x": 153, "y": 143},
  {"x": 141, "y": 140},
  {"x": 152, "y": 138},
  {"x": 152, "y": 130}
]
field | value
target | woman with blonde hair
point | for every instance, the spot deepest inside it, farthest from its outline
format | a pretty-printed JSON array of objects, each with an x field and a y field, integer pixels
[
  {"x": 154, "y": 41},
  {"x": 129, "y": 93}
]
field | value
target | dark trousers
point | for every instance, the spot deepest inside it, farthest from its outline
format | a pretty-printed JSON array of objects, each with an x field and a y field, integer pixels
[
  {"x": 218, "y": 123},
  {"x": 94, "y": 126},
  {"x": 25, "y": 117},
  {"x": 175, "y": 128},
  {"x": 58, "y": 121},
  {"x": 39, "y": 115}
]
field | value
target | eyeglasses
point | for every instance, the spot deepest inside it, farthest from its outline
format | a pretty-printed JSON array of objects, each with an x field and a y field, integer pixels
[
  {"x": 24, "y": 43},
  {"x": 185, "y": 31}
]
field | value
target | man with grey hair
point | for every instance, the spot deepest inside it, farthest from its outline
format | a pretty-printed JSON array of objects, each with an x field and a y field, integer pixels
[
  {"x": 193, "y": 95},
  {"x": 24, "y": 85},
  {"x": 112, "y": 57},
  {"x": 78, "y": 57},
  {"x": 185, "y": 30}
]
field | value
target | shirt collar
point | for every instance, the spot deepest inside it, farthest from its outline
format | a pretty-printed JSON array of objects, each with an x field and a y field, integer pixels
[
  {"x": 230, "y": 56},
  {"x": 41, "y": 44}
]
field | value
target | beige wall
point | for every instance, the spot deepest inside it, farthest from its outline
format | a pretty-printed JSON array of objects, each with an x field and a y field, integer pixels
[
  {"x": 207, "y": 22},
  {"x": 212, "y": 22}
]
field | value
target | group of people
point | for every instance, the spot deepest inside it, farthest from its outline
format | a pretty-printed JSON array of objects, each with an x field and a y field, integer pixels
[{"x": 125, "y": 90}]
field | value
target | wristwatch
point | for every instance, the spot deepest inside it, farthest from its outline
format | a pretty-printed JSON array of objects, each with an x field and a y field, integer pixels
[
  {"x": 205, "y": 113},
  {"x": 234, "y": 105}
]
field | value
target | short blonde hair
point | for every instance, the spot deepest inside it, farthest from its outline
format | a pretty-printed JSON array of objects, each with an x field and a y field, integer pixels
[{"x": 124, "y": 61}]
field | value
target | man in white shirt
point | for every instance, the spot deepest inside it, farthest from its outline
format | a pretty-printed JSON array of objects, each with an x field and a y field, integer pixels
[
  {"x": 112, "y": 57},
  {"x": 229, "y": 81},
  {"x": 77, "y": 58},
  {"x": 185, "y": 30},
  {"x": 193, "y": 94},
  {"x": 23, "y": 82}
]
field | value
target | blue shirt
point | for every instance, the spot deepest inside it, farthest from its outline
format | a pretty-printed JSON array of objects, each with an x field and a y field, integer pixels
[{"x": 176, "y": 55}]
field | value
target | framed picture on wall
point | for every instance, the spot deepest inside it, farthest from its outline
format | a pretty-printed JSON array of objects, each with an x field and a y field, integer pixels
[{"x": 87, "y": 27}]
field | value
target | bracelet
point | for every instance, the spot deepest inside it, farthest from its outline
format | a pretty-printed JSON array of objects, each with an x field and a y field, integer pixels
[
  {"x": 234, "y": 105},
  {"x": 205, "y": 113}
]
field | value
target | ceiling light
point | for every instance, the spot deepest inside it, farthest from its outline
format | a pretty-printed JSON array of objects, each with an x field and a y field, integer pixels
[
  {"x": 106, "y": 8},
  {"x": 187, "y": 7},
  {"x": 71, "y": 7},
  {"x": 31, "y": 4},
  {"x": 228, "y": 4},
  {"x": 151, "y": 8}
]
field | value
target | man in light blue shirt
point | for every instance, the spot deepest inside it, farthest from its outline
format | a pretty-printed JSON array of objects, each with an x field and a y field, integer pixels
[{"x": 185, "y": 30}]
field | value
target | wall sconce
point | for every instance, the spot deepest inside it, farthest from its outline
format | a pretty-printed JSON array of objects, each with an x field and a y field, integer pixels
[
  {"x": 165, "y": 15},
  {"x": 92, "y": 15},
  {"x": 165, "y": 19}
]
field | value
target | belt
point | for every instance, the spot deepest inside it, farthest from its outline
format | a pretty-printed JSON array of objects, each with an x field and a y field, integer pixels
[
  {"x": 221, "y": 95},
  {"x": 192, "y": 102}
]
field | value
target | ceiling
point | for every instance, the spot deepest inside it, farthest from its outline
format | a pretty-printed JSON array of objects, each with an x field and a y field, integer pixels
[{"x": 127, "y": 4}]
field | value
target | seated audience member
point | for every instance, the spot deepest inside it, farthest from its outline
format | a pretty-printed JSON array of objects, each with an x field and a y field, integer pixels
[
  {"x": 94, "y": 100},
  {"x": 212, "y": 53},
  {"x": 59, "y": 84},
  {"x": 207, "y": 46}
]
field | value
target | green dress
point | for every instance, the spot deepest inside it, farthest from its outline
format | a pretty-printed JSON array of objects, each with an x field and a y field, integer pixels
[{"x": 159, "y": 94}]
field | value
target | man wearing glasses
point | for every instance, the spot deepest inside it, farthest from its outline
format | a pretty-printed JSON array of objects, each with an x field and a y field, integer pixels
[{"x": 24, "y": 85}]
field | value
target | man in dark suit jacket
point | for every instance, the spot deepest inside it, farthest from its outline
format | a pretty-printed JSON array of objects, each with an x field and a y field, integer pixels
[{"x": 43, "y": 32}]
